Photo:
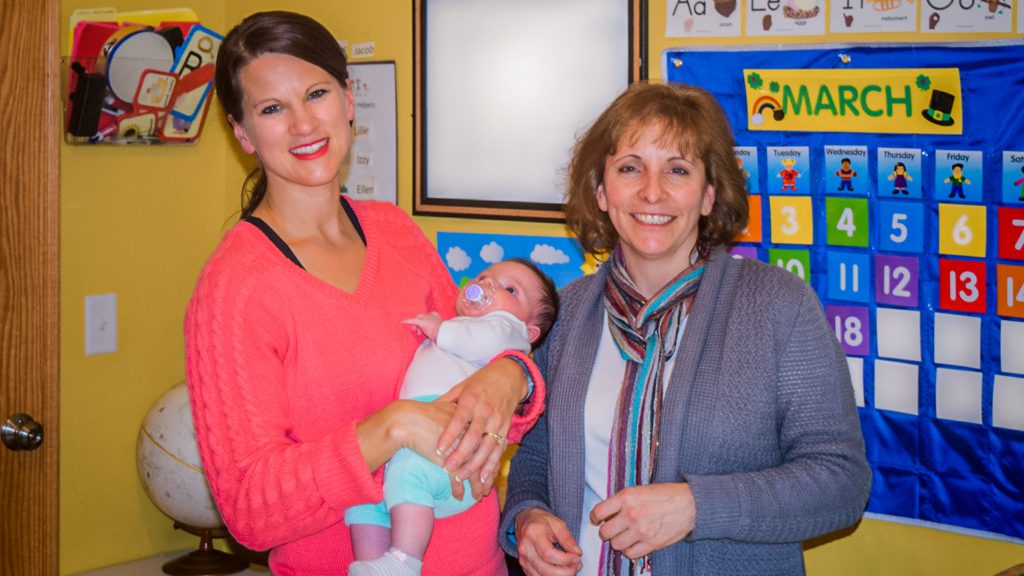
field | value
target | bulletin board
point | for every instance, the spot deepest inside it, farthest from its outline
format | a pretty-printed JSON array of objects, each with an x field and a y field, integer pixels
[
  {"x": 373, "y": 161},
  {"x": 892, "y": 180}
]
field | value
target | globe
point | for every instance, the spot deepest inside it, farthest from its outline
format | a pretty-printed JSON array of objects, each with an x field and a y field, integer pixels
[
  {"x": 168, "y": 461},
  {"x": 172, "y": 475}
]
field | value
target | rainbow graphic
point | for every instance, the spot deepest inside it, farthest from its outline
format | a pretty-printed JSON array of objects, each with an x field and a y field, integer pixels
[{"x": 766, "y": 103}]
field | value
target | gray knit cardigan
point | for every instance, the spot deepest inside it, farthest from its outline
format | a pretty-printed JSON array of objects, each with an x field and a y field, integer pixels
[{"x": 758, "y": 417}]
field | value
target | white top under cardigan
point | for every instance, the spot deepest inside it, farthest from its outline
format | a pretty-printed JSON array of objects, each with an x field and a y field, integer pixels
[{"x": 599, "y": 416}]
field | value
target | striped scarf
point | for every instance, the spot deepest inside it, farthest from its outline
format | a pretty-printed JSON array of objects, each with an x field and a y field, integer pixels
[{"x": 646, "y": 332}]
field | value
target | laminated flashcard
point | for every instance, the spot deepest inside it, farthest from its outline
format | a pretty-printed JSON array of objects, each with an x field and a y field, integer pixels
[
  {"x": 798, "y": 262},
  {"x": 1010, "y": 233},
  {"x": 900, "y": 226},
  {"x": 785, "y": 17},
  {"x": 963, "y": 230},
  {"x": 846, "y": 221},
  {"x": 848, "y": 167},
  {"x": 155, "y": 89},
  {"x": 792, "y": 220},
  {"x": 961, "y": 17},
  {"x": 750, "y": 168},
  {"x": 199, "y": 50},
  {"x": 789, "y": 168},
  {"x": 753, "y": 231},
  {"x": 877, "y": 16},
  {"x": 852, "y": 325},
  {"x": 958, "y": 175},
  {"x": 1010, "y": 290},
  {"x": 899, "y": 172},
  {"x": 702, "y": 18},
  {"x": 849, "y": 276},
  {"x": 1013, "y": 176},
  {"x": 897, "y": 280},
  {"x": 136, "y": 126}
]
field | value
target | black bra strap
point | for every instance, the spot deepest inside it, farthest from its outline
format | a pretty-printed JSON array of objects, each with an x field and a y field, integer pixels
[
  {"x": 269, "y": 233},
  {"x": 352, "y": 217},
  {"x": 283, "y": 246}
]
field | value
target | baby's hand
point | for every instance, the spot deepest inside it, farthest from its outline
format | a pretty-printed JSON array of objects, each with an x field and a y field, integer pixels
[{"x": 428, "y": 324}]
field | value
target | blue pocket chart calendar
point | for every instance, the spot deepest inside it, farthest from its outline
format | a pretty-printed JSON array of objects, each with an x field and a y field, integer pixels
[{"x": 892, "y": 180}]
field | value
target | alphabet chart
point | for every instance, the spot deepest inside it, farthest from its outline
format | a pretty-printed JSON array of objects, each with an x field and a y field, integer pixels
[
  {"x": 810, "y": 18},
  {"x": 891, "y": 179}
]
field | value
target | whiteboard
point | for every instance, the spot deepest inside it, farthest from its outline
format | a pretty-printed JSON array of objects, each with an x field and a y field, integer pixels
[{"x": 502, "y": 90}]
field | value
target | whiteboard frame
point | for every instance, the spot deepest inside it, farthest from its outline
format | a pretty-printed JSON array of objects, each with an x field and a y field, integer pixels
[{"x": 480, "y": 206}]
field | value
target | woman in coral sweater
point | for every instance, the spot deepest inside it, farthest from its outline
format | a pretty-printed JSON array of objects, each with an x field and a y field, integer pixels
[{"x": 294, "y": 346}]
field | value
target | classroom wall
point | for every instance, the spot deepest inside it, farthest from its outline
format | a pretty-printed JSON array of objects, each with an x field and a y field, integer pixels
[{"x": 140, "y": 222}]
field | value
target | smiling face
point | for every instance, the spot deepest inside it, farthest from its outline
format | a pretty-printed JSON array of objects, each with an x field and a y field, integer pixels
[
  {"x": 517, "y": 290},
  {"x": 654, "y": 195},
  {"x": 295, "y": 119}
]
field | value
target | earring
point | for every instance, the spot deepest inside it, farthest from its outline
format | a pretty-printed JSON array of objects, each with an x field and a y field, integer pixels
[{"x": 703, "y": 241}]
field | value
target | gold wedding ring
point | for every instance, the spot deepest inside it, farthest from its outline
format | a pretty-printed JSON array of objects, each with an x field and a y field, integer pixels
[{"x": 498, "y": 438}]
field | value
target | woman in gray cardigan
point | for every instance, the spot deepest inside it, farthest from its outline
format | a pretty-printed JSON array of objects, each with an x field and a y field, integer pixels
[{"x": 700, "y": 413}]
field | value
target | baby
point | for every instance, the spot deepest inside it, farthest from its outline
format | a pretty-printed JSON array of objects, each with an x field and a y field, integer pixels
[{"x": 511, "y": 305}]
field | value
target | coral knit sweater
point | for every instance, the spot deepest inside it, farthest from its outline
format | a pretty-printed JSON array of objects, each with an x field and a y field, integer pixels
[{"x": 280, "y": 368}]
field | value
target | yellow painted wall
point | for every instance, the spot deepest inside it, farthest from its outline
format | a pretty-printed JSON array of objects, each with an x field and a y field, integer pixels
[{"x": 141, "y": 221}]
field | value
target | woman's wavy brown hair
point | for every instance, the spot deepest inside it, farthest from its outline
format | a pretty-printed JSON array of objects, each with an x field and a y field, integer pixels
[{"x": 692, "y": 120}]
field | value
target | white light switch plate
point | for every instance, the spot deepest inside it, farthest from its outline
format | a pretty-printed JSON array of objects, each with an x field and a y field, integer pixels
[{"x": 100, "y": 324}]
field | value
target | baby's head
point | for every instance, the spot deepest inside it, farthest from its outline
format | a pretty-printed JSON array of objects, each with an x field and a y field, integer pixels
[{"x": 520, "y": 288}]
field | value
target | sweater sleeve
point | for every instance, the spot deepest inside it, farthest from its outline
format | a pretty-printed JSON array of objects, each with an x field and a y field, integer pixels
[
  {"x": 270, "y": 487},
  {"x": 824, "y": 482},
  {"x": 528, "y": 475},
  {"x": 525, "y": 419}
]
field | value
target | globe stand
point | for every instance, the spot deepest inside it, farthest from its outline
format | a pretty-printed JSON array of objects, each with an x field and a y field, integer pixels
[{"x": 206, "y": 561}]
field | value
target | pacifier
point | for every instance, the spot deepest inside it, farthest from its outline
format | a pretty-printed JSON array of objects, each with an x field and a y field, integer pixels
[{"x": 478, "y": 294}]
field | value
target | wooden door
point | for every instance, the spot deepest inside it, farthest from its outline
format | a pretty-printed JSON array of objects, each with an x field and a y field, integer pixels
[{"x": 29, "y": 315}]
